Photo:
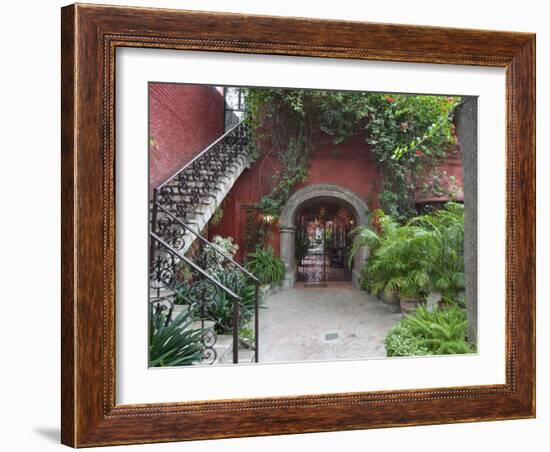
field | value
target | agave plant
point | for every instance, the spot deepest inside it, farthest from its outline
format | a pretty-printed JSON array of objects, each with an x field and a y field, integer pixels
[
  {"x": 265, "y": 265},
  {"x": 173, "y": 343}
]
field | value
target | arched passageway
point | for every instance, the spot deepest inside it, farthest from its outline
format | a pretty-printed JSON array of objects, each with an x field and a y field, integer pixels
[{"x": 311, "y": 199}]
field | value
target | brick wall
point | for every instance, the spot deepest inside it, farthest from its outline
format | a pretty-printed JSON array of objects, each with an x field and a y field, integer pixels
[{"x": 183, "y": 120}]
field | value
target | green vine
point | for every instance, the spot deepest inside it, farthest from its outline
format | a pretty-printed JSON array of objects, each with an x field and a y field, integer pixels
[
  {"x": 283, "y": 121},
  {"x": 407, "y": 135}
]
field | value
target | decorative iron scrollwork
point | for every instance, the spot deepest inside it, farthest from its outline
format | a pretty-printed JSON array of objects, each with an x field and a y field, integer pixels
[
  {"x": 182, "y": 193},
  {"x": 178, "y": 272}
]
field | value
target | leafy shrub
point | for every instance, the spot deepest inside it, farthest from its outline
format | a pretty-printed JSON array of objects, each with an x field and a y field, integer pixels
[
  {"x": 175, "y": 344},
  {"x": 211, "y": 260},
  {"x": 247, "y": 336},
  {"x": 265, "y": 265},
  {"x": 444, "y": 237},
  {"x": 419, "y": 257},
  {"x": 399, "y": 259},
  {"x": 220, "y": 310},
  {"x": 401, "y": 341},
  {"x": 441, "y": 332},
  {"x": 407, "y": 134}
]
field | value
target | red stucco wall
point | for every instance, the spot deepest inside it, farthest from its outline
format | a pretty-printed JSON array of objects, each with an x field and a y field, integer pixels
[
  {"x": 183, "y": 120},
  {"x": 348, "y": 165},
  {"x": 450, "y": 178}
]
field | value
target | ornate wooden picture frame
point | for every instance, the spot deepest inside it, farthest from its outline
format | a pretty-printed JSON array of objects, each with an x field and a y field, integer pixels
[{"x": 90, "y": 37}]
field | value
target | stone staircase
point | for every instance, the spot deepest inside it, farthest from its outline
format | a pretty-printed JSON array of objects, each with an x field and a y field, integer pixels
[
  {"x": 196, "y": 191},
  {"x": 180, "y": 209}
]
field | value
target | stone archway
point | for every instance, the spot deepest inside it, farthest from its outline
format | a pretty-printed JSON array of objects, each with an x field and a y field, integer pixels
[{"x": 315, "y": 193}]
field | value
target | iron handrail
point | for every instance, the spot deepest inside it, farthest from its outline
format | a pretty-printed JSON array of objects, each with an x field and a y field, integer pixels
[
  {"x": 189, "y": 262},
  {"x": 256, "y": 281},
  {"x": 240, "y": 267},
  {"x": 204, "y": 240},
  {"x": 199, "y": 155},
  {"x": 236, "y": 301}
]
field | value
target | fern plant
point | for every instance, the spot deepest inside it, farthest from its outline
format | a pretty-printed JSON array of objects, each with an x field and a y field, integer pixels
[
  {"x": 441, "y": 332},
  {"x": 265, "y": 265},
  {"x": 175, "y": 343}
]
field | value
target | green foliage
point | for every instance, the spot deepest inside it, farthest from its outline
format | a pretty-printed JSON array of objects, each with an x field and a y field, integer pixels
[
  {"x": 217, "y": 216},
  {"x": 175, "y": 344},
  {"x": 211, "y": 259},
  {"x": 265, "y": 265},
  {"x": 421, "y": 256},
  {"x": 407, "y": 134},
  {"x": 279, "y": 122},
  {"x": 257, "y": 230},
  {"x": 398, "y": 262},
  {"x": 444, "y": 231},
  {"x": 246, "y": 335},
  {"x": 181, "y": 292},
  {"x": 441, "y": 332},
  {"x": 401, "y": 341},
  {"x": 220, "y": 310}
]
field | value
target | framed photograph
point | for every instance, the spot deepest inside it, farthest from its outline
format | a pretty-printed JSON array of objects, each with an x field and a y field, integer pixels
[{"x": 282, "y": 225}]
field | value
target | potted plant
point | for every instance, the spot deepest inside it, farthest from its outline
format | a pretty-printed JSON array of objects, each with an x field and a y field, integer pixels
[
  {"x": 265, "y": 265},
  {"x": 409, "y": 299},
  {"x": 391, "y": 297}
]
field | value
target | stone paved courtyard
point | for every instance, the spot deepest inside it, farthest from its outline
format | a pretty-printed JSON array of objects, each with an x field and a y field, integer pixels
[{"x": 334, "y": 322}]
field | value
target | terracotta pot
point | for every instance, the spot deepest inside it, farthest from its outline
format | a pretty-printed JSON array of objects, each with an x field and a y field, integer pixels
[
  {"x": 392, "y": 300},
  {"x": 408, "y": 305},
  {"x": 390, "y": 297}
]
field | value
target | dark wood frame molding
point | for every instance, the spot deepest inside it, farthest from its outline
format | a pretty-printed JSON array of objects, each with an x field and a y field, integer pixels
[{"x": 90, "y": 36}]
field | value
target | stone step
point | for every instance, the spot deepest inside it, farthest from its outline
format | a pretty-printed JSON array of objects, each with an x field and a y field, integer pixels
[
  {"x": 224, "y": 349},
  {"x": 178, "y": 309},
  {"x": 246, "y": 356},
  {"x": 187, "y": 197}
]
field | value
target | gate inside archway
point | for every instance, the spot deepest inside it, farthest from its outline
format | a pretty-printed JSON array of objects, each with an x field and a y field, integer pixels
[
  {"x": 298, "y": 219},
  {"x": 322, "y": 243}
]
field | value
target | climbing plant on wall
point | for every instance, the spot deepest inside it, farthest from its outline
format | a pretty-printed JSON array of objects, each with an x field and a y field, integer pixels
[
  {"x": 406, "y": 133},
  {"x": 285, "y": 126}
]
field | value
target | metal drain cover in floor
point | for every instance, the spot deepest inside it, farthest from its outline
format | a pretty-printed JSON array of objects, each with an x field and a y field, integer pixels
[{"x": 331, "y": 336}]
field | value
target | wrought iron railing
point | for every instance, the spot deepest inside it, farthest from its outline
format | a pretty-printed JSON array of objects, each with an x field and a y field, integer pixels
[
  {"x": 182, "y": 193},
  {"x": 179, "y": 267}
]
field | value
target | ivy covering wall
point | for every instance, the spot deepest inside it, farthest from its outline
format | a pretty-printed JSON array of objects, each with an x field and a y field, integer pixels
[{"x": 407, "y": 134}]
